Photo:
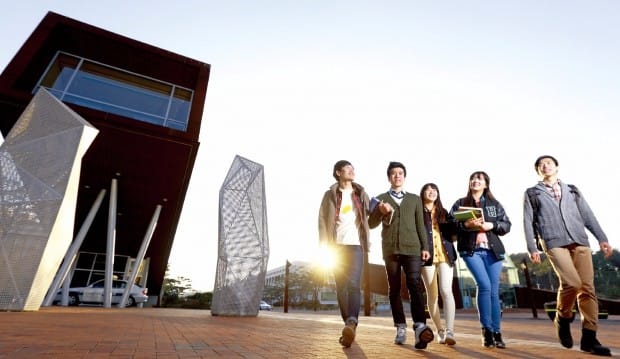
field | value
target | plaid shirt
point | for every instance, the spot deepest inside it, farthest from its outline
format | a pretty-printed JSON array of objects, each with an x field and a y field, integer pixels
[{"x": 555, "y": 190}]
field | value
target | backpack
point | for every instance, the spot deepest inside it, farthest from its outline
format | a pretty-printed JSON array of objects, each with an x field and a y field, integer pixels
[{"x": 531, "y": 193}]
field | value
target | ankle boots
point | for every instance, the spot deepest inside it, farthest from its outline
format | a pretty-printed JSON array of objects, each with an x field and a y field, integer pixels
[
  {"x": 492, "y": 339},
  {"x": 499, "y": 343},
  {"x": 487, "y": 338},
  {"x": 590, "y": 344},
  {"x": 562, "y": 328}
]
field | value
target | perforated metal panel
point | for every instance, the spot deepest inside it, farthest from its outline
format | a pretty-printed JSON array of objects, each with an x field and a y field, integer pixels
[
  {"x": 243, "y": 250},
  {"x": 39, "y": 175}
]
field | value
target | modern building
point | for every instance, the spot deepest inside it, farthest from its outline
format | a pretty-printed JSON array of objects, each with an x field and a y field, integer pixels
[
  {"x": 464, "y": 286},
  {"x": 508, "y": 280},
  {"x": 326, "y": 294},
  {"x": 147, "y": 104}
]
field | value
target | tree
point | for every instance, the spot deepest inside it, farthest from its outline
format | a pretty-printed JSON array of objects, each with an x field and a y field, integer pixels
[
  {"x": 274, "y": 293},
  {"x": 173, "y": 288},
  {"x": 606, "y": 273},
  {"x": 304, "y": 284}
]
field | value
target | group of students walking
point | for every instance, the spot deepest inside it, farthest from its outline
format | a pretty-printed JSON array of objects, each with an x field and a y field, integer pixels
[{"x": 417, "y": 239}]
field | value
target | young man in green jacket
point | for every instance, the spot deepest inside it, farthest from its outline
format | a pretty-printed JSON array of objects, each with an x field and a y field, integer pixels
[{"x": 405, "y": 248}]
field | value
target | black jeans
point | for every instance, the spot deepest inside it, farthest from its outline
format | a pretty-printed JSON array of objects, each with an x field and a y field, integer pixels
[{"x": 412, "y": 266}]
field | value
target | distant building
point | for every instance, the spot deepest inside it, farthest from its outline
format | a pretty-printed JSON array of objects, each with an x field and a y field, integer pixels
[
  {"x": 509, "y": 278},
  {"x": 464, "y": 284},
  {"x": 276, "y": 276},
  {"x": 326, "y": 293}
]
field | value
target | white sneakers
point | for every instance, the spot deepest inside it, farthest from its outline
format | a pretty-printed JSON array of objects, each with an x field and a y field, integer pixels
[
  {"x": 423, "y": 335},
  {"x": 449, "y": 338},
  {"x": 401, "y": 334},
  {"x": 441, "y": 336},
  {"x": 446, "y": 337}
]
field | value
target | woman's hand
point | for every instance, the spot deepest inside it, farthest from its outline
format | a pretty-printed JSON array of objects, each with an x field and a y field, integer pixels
[
  {"x": 486, "y": 226},
  {"x": 475, "y": 223}
]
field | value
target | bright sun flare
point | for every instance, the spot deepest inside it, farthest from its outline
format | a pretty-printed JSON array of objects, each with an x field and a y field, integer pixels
[{"x": 325, "y": 258}]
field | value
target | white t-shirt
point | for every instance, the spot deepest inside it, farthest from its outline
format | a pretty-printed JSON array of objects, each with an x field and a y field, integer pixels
[{"x": 346, "y": 229}]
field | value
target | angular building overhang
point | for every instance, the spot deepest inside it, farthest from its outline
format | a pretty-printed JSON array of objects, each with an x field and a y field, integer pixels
[{"x": 153, "y": 164}]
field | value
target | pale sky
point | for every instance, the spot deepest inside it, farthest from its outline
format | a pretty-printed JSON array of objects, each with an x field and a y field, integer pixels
[{"x": 446, "y": 87}]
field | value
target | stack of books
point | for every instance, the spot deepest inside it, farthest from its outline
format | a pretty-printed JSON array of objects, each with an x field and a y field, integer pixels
[{"x": 465, "y": 213}]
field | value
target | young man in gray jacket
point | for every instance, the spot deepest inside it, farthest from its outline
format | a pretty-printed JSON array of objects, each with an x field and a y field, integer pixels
[{"x": 555, "y": 216}]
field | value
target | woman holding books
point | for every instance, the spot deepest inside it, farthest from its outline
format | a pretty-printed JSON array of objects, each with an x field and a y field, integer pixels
[
  {"x": 437, "y": 271},
  {"x": 480, "y": 246}
]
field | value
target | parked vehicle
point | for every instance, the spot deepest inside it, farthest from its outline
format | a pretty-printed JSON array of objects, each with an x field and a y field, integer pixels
[
  {"x": 264, "y": 305},
  {"x": 93, "y": 294}
]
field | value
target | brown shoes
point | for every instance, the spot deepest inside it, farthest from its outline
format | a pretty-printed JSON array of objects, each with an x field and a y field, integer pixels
[{"x": 348, "y": 334}]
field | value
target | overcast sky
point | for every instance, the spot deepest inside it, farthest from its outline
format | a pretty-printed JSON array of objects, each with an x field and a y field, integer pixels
[{"x": 446, "y": 87}]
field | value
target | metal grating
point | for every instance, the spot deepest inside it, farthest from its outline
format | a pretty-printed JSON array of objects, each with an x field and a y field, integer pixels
[
  {"x": 243, "y": 250},
  {"x": 40, "y": 163}
]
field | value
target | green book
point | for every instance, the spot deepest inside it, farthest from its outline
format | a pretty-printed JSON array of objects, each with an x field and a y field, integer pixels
[{"x": 465, "y": 213}]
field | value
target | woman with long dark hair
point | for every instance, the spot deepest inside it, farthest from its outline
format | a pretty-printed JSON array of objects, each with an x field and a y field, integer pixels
[
  {"x": 438, "y": 270},
  {"x": 480, "y": 246}
]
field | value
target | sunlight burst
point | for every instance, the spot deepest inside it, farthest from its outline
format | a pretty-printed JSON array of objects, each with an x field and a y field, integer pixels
[{"x": 325, "y": 258}]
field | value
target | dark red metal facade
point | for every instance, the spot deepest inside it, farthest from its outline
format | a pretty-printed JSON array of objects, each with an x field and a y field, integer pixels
[{"x": 152, "y": 164}]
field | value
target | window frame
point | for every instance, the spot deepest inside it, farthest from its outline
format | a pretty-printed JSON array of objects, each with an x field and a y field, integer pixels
[{"x": 172, "y": 96}]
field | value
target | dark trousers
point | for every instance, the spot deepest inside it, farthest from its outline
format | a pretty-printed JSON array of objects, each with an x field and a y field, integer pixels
[
  {"x": 348, "y": 276},
  {"x": 411, "y": 266}
]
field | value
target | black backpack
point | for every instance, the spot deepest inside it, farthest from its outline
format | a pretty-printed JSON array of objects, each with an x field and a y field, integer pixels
[{"x": 531, "y": 193}]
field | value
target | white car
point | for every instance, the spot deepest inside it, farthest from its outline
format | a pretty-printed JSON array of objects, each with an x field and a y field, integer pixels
[
  {"x": 264, "y": 305},
  {"x": 93, "y": 294}
]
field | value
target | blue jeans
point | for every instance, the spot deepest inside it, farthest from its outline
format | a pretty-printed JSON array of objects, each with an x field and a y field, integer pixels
[
  {"x": 486, "y": 268},
  {"x": 412, "y": 266},
  {"x": 348, "y": 276}
]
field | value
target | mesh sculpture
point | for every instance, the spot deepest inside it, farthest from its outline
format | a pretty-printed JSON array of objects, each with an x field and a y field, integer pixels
[
  {"x": 243, "y": 250},
  {"x": 40, "y": 162}
]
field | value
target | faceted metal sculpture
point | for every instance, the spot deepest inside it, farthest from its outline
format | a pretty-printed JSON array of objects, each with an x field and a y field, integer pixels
[
  {"x": 40, "y": 163},
  {"x": 243, "y": 250}
]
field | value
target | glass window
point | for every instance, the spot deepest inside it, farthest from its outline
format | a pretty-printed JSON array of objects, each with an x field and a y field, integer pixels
[
  {"x": 90, "y": 267},
  {"x": 100, "y": 87}
]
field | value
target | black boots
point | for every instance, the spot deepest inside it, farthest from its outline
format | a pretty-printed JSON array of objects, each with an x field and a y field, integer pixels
[
  {"x": 487, "y": 338},
  {"x": 590, "y": 344},
  {"x": 497, "y": 338},
  {"x": 562, "y": 328}
]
